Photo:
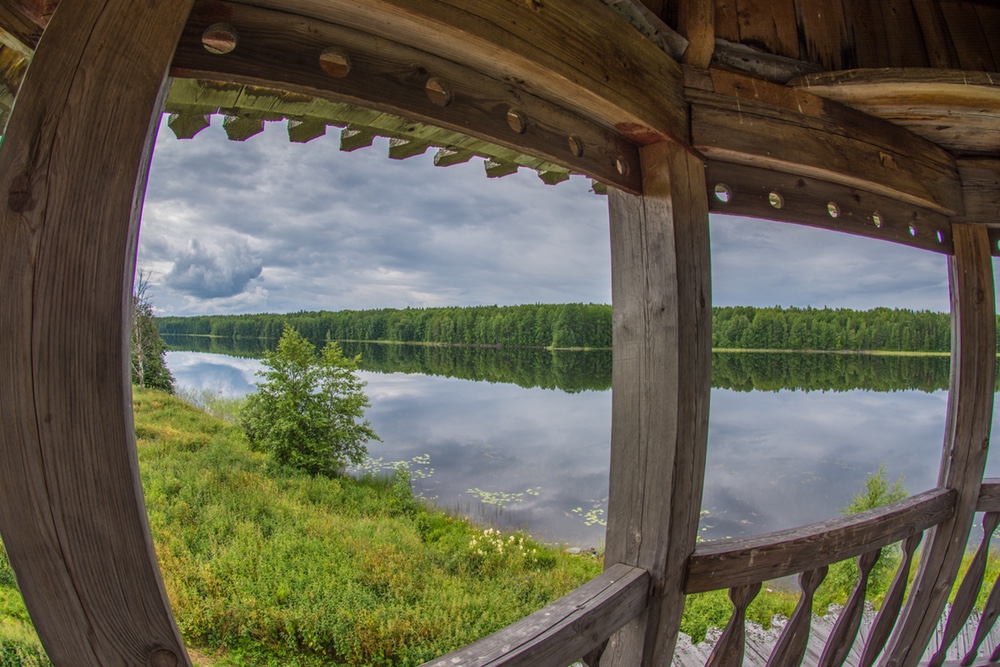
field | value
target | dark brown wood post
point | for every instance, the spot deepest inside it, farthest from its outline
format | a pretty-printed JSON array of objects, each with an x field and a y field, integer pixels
[
  {"x": 72, "y": 176},
  {"x": 661, "y": 380},
  {"x": 967, "y": 438}
]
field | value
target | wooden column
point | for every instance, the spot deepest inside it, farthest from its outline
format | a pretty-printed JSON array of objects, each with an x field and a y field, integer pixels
[
  {"x": 72, "y": 175},
  {"x": 661, "y": 380},
  {"x": 967, "y": 437}
]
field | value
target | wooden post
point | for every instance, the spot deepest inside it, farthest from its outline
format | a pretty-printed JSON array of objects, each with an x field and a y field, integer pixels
[
  {"x": 661, "y": 381},
  {"x": 72, "y": 176},
  {"x": 967, "y": 438}
]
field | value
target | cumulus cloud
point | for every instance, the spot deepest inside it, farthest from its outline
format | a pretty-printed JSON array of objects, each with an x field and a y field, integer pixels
[{"x": 213, "y": 273}]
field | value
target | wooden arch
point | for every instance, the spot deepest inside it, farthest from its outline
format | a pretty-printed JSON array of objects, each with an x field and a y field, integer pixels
[{"x": 566, "y": 80}]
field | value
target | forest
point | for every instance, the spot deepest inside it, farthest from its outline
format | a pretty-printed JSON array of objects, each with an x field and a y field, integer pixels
[{"x": 577, "y": 325}]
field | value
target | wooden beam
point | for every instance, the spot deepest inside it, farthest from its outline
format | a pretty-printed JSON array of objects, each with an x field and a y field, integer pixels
[
  {"x": 750, "y": 560},
  {"x": 959, "y": 111},
  {"x": 758, "y": 192},
  {"x": 981, "y": 189},
  {"x": 71, "y": 508},
  {"x": 279, "y": 50},
  {"x": 967, "y": 437},
  {"x": 561, "y": 632},
  {"x": 575, "y": 51},
  {"x": 661, "y": 377},
  {"x": 696, "y": 21},
  {"x": 742, "y": 120},
  {"x": 17, "y": 30}
]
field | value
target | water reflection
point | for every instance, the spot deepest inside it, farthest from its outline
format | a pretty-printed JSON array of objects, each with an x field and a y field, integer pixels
[{"x": 776, "y": 459}]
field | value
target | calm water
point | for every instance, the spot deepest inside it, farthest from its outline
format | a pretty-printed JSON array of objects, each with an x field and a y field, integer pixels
[{"x": 525, "y": 455}]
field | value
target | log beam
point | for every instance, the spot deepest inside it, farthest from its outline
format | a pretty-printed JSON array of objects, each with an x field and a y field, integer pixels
[
  {"x": 661, "y": 380},
  {"x": 967, "y": 437},
  {"x": 72, "y": 175}
]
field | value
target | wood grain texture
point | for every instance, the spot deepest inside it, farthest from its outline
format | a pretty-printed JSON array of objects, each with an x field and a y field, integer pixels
[
  {"x": 791, "y": 647},
  {"x": 71, "y": 512},
  {"x": 696, "y": 21},
  {"x": 561, "y": 632},
  {"x": 822, "y": 33},
  {"x": 734, "y": 562},
  {"x": 974, "y": 46},
  {"x": 577, "y": 51},
  {"x": 731, "y": 646},
  {"x": 986, "y": 622},
  {"x": 968, "y": 591},
  {"x": 280, "y": 50},
  {"x": 903, "y": 37},
  {"x": 661, "y": 376},
  {"x": 893, "y": 602},
  {"x": 981, "y": 189},
  {"x": 17, "y": 30},
  {"x": 989, "y": 495},
  {"x": 806, "y": 201},
  {"x": 940, "y": 49},
  {"x": 957, "y": 110},
  {"x": 769, "y": 25},
  {"x": 967, "y": 437},
  {"x": 845, "y": 630},
  {"x": 751, "y": 122}
]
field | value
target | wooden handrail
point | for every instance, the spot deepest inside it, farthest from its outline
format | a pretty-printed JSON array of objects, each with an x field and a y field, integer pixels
[
  {"x": 741, "y": 561},
  {"x": 989, "y": 495},
  {"x": 563, "y": 631}
]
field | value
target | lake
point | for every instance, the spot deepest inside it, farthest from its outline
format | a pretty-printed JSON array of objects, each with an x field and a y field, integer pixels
[{"x": 521, "y": 437}]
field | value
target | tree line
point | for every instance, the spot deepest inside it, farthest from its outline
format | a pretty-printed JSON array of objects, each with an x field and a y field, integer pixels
[
  {"x": 571, "y": 325},
  {"x": 577, "y": 325}
]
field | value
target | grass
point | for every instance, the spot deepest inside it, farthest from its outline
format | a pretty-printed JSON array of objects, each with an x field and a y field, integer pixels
[{"x": 268, "y": 566}]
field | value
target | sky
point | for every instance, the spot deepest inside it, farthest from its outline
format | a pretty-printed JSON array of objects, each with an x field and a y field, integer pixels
[{"x": 270, "y": 226}]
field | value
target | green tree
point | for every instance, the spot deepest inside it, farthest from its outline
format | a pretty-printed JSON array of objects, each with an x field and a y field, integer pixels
[
  {"x": 148, "y": 366},
  {"x": 309, "y": 410}
]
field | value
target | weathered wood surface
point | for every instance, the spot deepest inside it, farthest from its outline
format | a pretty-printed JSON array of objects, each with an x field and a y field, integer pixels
[
  {"x": 730, "y": 648},
  {"x": 791, "y": 647},
  {"x": 661, "y": 297},
  {"x": 191, "y": 102},
  {"x": 576, "y": 51},
  {"x": 738, "y": 119},
  {"x": 739, "y": 561},
  {"x": 989, "y": 495},
  {"x": 957, "y": 110},
  {"x": 986, "y": 622},
  {"x": 967, "y": 437},
  {"x": 807, "y": 201},
  {"x": 845, "y": 631},
  {"x": 893, "y": 602},
  {"x": 73, "y": 168},
  {"x": 981, "y": 189},
  {"x": 561, "y": 632},
  {"x": 696, "y": 21},
  {"x": 280, "y": 50},
  {"x": 968, "y": 590},
  {"x": 18, "y": 31}
]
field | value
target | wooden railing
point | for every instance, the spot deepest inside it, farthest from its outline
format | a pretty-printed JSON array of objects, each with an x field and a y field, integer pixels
[
  {"x": 743, "y": 564},
  {"x": 566, "y": 630},
  {"x": 579, "y": 624}
]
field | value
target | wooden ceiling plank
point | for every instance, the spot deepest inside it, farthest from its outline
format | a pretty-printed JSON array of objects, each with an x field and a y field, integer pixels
[
  {"x": 820, "y": 26},
  {"x": 989, "y": 18},
  {"x": 971, "y": 42},
  {"x": 727, "y": 24},
  {"x": 769, "y": 25},
  {"x": 746, "y": 191},
  {"x": 576, "y": 51},
  {"x": 959, "y": 111},
  {"x": 941, "y": 51},
  {"x": 281, "y": 50},
  {"x": 903, "y": 37},
  {"x": 696, "y": 21},
  {"x": 751, "y": 122}
]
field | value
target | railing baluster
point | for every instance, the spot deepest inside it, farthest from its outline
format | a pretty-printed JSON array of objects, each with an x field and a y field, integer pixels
[
  {"x": 968, "y": 591},
  {"x": 795, "y": 637},
  {"x": 889, "y": 612},
  {"x": 729, "y": 650},
  {"x": 986, "y": 621},
  {"x": 839, "y": 643}
]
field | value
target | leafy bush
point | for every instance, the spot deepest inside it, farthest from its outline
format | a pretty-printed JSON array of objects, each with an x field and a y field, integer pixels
[{"x": 308, "y": 413}]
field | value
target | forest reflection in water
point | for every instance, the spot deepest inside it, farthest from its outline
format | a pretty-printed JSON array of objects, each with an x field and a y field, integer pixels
[{"x": 521, "y": 436}]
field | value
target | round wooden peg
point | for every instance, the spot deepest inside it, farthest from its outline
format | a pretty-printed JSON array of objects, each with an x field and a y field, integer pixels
[
  {"x": 335, "y": 62},
  {"x": 517, "y": 121},
  {"x": 438, "y": 92},
  {"x": 220, "y": 38},
  {"x": 576, "y": 146}
]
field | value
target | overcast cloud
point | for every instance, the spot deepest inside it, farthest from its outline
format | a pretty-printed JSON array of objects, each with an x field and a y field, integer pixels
[{"x": 267, "y": 225}]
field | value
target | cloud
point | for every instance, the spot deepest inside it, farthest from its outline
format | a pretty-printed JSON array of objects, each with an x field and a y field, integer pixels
[{"x": 213, "y": 273}]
